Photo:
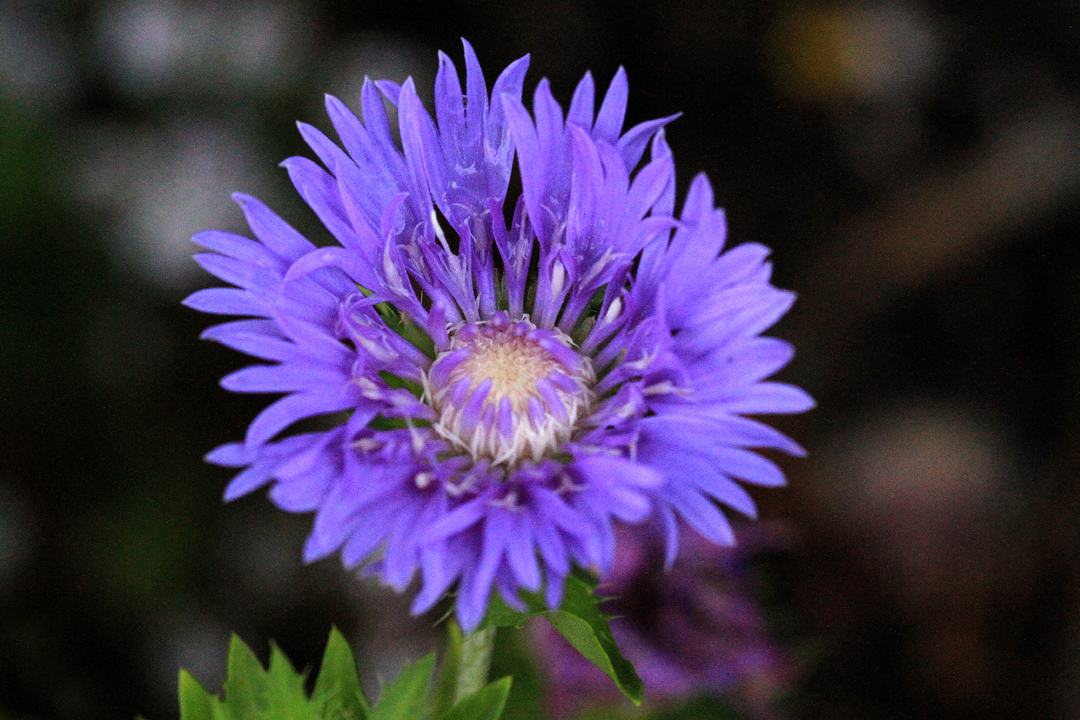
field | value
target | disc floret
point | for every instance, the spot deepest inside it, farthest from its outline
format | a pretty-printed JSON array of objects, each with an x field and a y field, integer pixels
[{"x": 508, "y": 391}]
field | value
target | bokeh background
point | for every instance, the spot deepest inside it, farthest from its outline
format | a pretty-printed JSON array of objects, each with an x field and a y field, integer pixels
[{"x": 915, "y": 166}]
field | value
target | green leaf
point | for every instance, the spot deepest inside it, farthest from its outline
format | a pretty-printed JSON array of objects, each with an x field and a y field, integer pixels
[
  {"x": 254, "y": 693},
  {"x": 195, "y": 702},
  {"x": 516, "y": 656},
  {"x": 499, "y": 614},
  {"x": 475, "y": 666},
  {"x": 446, "y": 683},
  {"x": 406, "y": 697},
  {"x": 487, "y": 703},
  {"x": 246, "y": 682},
  {"x": 580, "y": 621},
  {"x": 285, "y": 696},
  {"x": 338, "y": 693}
]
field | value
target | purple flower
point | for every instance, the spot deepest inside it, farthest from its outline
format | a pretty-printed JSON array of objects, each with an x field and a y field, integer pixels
[{"x": 512, "y": 388}]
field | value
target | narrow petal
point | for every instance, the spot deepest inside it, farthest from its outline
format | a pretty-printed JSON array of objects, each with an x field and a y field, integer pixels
[{"x": 609, "y": 120}]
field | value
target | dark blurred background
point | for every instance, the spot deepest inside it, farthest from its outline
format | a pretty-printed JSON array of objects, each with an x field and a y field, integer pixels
[{"x": 915, "y": 166}]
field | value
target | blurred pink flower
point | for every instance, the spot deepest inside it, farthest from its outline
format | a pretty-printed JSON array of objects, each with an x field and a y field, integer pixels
[{"x": 694, "y": 630}]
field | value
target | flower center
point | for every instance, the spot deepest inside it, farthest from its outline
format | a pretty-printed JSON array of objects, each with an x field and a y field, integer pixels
[{"x": 504, "y": 390}]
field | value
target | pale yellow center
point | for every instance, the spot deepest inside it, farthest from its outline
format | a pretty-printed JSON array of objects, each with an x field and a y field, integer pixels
[
  {"x": 513, "y": 365},
  {"x": 531, "y": 405}
]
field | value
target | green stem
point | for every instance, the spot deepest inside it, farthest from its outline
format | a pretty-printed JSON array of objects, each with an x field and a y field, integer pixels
[{"x": 475, "y": 662}]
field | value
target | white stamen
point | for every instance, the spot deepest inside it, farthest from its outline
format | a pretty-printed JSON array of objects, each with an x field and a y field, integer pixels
[
  {"x": 566, "y": 484},
  {"x": 511, "y": 501},
  {"x": 643, "y": 362},
  {"x": 664, "y": 388},
  {"x": 375, "y": 349},
  {"x": 393, "y": 278},
  {"x": 423, "y": 479},
  {"x": 418, "y": 441},
  {"x": 369, "y": 389},
  {"x": 599, "y": 266},
  {"x": 465, "y": 485},
  {"x": 613, "y": 311},
  {"x": 558, "y": 278},
  {"x": 368, "y": 444},
  {"x": 439, "y": 232}
]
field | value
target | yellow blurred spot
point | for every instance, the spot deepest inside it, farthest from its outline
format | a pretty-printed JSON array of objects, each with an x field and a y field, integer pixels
[
  {"x": 813, "y": 52},
  {"x": 882, "y": 49}
]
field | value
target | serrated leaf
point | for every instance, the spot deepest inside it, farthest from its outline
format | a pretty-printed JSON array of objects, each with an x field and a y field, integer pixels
[
  {"x": 246, "y": 682},
  {"x": 588, "y": 579},
  {"x": 487, "y": 703},
  {"x": 406, "y": 697},
  {"x": 586, "y": 628},
  {"x": 254, "y": 693},
  {"x": 195, "y": 702},
  {"x": 338, "y": 694},
  {"x": 499, "y": 614},
  {"x": 285, "y": 696},
  {"x": 581, "y": 622}
]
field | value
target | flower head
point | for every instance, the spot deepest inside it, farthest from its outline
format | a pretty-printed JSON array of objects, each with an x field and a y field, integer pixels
[{"x": 514, "y": 382}]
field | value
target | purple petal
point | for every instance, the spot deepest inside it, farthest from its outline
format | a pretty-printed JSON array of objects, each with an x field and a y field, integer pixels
[
  {"x": 225, "y": 301},
  {"x": 609, "y": 120},
  {"x": 581, "y": 106},
  {"x": 283, "y": 413},
  {"x": 271, "y": 230}
]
